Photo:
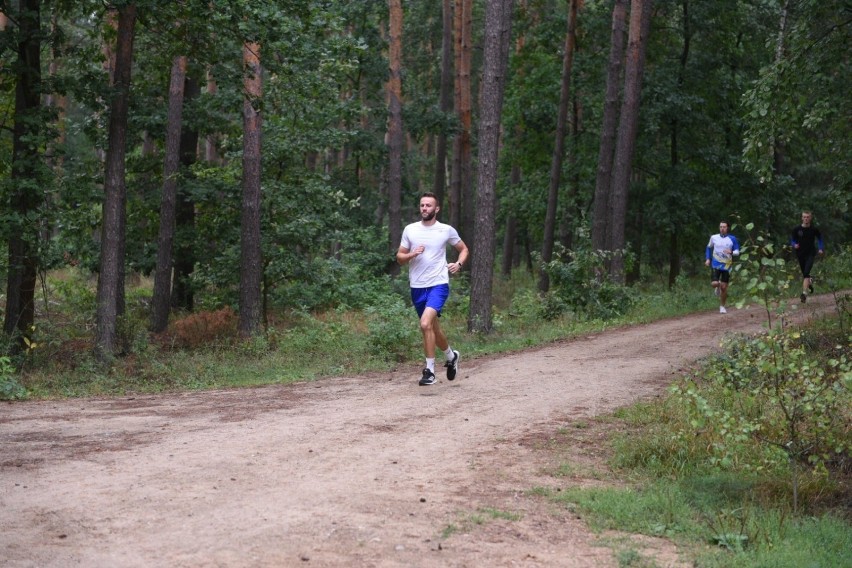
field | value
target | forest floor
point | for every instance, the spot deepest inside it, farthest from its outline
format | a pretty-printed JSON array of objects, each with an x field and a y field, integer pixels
[{"x": 365, "y": 471}]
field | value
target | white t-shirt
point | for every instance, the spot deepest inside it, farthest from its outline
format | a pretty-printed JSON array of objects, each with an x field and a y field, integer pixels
[{"x": 430, "y": 268}]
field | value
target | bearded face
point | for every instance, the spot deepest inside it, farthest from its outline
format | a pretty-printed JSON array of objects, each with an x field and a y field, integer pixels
[{"x": 428, "y": 208}]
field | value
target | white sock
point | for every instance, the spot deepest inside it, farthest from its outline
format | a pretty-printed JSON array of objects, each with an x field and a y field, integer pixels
[
  {"x": 430, "y": 364},
  {"x": 449, "y": 353}
]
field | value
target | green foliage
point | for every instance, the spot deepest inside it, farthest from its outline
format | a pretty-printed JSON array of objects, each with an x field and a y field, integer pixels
[
  {"x": 393, "y": 329},
  {"x": 772, "y": 394},
  {"x": 765, "y": 274},
  {"x": 660, "y": 510},
  {"x": 705, "y": 471},
  {"x": 795, "y": 102},
  {"x": 575, "y": 281},
  {"x": 10, "y": 387},
  {"x": 740, "y": 532},
  {"x": 821, "y": 541},
  {"x": 835, "y": 275}
]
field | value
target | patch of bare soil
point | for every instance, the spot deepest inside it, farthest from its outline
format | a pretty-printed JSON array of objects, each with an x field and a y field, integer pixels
[{"x": 368, "y": 471}]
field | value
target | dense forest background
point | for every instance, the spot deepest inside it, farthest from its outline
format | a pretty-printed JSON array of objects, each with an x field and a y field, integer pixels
[{"x": 265, "y": 155}]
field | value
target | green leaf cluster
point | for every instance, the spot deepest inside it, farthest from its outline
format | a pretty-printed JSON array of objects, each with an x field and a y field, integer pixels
[
  {"x": 10, "y": 388},
  {"x": 771, "y": 400}
]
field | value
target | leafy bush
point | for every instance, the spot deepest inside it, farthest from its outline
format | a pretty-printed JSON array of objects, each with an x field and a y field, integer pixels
[
  {"x": 835, "y": 274},
  {"x": 525, "y": 305},
  {"x": 76, "y": 298},
  {"x": 393, "y": 329},
  {"x": 552, "y": 306},
  {"x": 766, "y": 275},
  {"x": 578, "y": 279},
  {"x": 10, "y": 388},
  {"x": 773, "y": 393}
]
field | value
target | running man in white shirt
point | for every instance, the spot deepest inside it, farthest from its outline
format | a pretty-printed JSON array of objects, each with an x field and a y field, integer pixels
[
  {"x": 424, "y": 249},
  {"x": 719, "y": 256}
]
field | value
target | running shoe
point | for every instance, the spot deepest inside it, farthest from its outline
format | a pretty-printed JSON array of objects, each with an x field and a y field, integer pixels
[
  {"x": 453, "y": 367},
  {"x": 803, "y": 297},
  {"x": 722, "y": 310},
  {"x": 428, "y": 378}
]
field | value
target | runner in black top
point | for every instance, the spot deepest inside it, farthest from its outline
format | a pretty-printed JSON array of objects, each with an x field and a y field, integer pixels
[{"x": 807, "y": 243}]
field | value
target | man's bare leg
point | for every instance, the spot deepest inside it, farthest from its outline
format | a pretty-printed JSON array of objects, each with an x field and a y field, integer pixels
[{"x": 431, "y": 330}]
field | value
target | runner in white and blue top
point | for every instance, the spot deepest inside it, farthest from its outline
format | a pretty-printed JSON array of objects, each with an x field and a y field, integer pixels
[
  {"x": 424, "y": 248},
  {"x": 719, "y": 256}
]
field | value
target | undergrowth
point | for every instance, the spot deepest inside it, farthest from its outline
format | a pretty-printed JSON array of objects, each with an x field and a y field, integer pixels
[
  {"x": 728, "y": 479},
  {"x": 202, "y": 350}
]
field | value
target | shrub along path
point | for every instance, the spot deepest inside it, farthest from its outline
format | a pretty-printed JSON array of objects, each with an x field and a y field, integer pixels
[{"x": 357, "y": 471}]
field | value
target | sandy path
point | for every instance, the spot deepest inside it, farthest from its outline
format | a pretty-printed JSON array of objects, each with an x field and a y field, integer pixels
[{"x": 357, "y": 471}]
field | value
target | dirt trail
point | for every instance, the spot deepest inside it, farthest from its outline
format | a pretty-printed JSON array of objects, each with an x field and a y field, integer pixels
[{"x": 357, "y": 471}]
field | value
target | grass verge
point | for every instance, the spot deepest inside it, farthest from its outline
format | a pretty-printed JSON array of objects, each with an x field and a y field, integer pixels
[{"x": 663, "y": 477}]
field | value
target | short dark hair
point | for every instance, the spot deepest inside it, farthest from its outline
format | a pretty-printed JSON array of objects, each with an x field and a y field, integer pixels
[
  {"x": 429, "y": 194},
  {"x": 726, "y": 223}
]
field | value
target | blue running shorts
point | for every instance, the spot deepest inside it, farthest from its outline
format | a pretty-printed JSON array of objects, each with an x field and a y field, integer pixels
[{"x": 432, "y": 297}]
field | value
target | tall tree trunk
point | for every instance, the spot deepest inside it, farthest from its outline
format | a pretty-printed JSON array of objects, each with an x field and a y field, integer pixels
[
  {"x": 498, "y": 31},
  {"x": 250, "y": 250},
  {"x": 674, "y": 258},
  {"x": 26, "y": 170},
  {"x": 395, "y": 136},
  {"x": 634, "y": 274},
  {"x": 468, "y": 191},
  {"x": 511, "y": 250},
  {"x": 211, "y": 142},
  {"x": 161, "y": 298},
  {"x": 609, "y": 125},
  {"x": 572, "y": 210},
  {"x": 558, "y": 147},
  {"x": 778, "y": 149},
  {"x": 446, "y": 100},
  {"x": 110, "y": 293},
  {"x": 510, "y": 236},
  {"x": 640, "y": 22},
  {"x": 184, "y": 248},
  {"x": 56, "y": 102},
  {"x": 462, "y": 168},
  {"x": 674, "y": 248}
]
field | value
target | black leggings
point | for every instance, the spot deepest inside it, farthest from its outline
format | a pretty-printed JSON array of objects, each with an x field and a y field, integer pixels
[{"x": 806, "y": 262}]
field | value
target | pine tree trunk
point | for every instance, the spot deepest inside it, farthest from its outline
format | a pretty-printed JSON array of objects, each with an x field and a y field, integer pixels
[
  {"x": 640, "y": 19},
  {"x": 110, "y": 294},
  {"x": 674, "y": 248},
  {"x": 558, "y": 147},
  {"x": 498, "y": 31},
  {"x": 461, "y": 186},
  {"x": 446, "y": 100},
  {"x": 600, "y": 217},
  {"x": 572, "y": 210},
  {"x": 184, "y": 250},
  {"x": 211, "y": 142},
  {"x": 250, "y": 250},
  {"x": 510, "y": 235},
  {"x": 161, "y": 298},
  {"x": 396, "y": 138},
  {"x": 25, "y": 173}
]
